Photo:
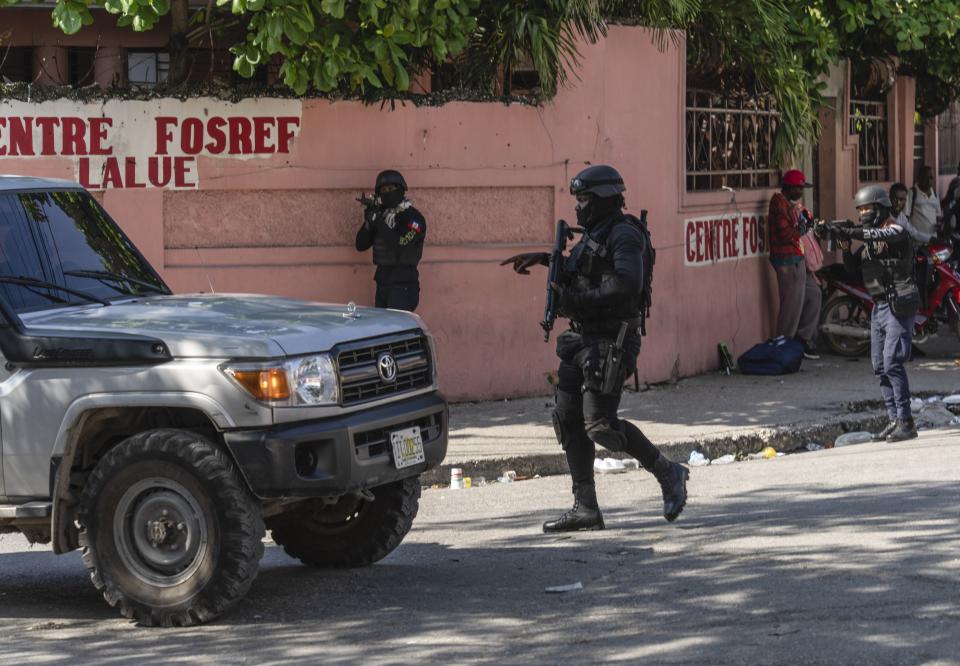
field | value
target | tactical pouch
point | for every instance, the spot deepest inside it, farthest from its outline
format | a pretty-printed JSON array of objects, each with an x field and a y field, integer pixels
[{"x": 904, "y": 299}]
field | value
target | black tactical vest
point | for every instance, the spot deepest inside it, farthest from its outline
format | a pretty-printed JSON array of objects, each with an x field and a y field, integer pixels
[
  {"x": 402, "y": 243},
  {"x": 591, "y": 262},
  {"x": 887, "y": 266}
]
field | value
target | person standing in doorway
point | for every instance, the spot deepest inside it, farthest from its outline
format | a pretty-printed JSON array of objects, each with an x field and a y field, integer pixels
[
  {"x": 799, "y": 294},
  {"x": 396, "y": 232}
]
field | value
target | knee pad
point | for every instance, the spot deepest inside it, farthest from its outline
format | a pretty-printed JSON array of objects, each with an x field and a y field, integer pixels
[{"x": 607, "y": 435}]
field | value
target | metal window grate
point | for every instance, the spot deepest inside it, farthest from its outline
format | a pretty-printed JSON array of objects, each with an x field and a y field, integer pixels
[
  {"x": 729, "y": 141},
  {"x": 868, "y": 120}
]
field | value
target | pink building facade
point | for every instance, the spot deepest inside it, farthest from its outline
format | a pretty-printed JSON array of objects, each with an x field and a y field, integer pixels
[{"x": 277, "y": 215}]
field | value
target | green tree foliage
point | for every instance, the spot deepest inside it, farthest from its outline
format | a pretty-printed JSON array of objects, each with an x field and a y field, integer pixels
[{"x": 780, "y": 47}]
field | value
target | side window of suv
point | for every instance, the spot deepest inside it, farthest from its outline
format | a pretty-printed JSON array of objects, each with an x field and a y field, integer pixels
[{"x": 19, "y": 255}]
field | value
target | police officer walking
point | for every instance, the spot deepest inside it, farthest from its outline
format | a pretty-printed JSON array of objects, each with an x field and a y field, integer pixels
[
  {"x": 396, "y": 231},
  {"x": 886, "y": 260},
  {"x": 604, "y": 293}
]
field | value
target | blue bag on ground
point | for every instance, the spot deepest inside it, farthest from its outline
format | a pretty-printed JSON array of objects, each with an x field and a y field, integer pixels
[{"x": 779, "y": 356}]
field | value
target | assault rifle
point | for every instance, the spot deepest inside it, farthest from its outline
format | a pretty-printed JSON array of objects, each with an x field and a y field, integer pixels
[
  {"x": 564, "y": 233},
  {"x": 366, "y": 201}
]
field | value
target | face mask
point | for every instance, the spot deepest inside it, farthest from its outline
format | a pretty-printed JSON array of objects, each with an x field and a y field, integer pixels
[
  {"x": 870, "y": 218},
  {"x": 391, "y": 199},
  {"x": 595, "y": 210}
]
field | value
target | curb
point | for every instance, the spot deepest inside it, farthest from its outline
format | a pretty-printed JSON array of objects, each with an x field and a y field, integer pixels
[{"x": 782, "y": 438}]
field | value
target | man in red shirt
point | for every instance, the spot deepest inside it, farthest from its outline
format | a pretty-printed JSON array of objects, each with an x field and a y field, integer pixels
[{"x": 799, "y": 293}]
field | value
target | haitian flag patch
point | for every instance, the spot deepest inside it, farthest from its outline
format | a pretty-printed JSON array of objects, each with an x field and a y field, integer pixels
[{"x": 413, "y": 225}]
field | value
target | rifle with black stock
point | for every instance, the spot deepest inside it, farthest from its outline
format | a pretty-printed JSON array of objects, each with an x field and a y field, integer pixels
[{"x": 564, "y": 233}]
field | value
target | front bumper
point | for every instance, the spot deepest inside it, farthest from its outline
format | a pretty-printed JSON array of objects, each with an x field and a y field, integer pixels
[{"x": 338, "y": 455}]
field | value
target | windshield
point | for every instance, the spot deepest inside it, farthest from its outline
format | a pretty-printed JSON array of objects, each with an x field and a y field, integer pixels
[{"x": 64, "y": 238}]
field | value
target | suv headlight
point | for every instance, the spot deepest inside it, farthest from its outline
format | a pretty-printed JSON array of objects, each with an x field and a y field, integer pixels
[{"x": 295, "y": 382}]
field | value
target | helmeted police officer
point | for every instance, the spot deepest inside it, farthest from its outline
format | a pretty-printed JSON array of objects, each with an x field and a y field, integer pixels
[
  {"x": 396, "y": 231},
  {"x": 602, "y": 293},
  {"x": 887, "y": 261}
]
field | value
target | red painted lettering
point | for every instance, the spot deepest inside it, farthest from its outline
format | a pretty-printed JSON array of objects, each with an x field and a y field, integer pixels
[
  {"x": 164, "y": 136},
  {"x": 261, "y": 133},
  {"x": 84, "y": 169},
  {"x": 285, "y": 125},
  {"x": 112, "y": 177},
  {"x": 98, "y": 134},
  {"x": 181, "y": 169},
  {"x": 191, "y": 136},
  {"x": 691, "y": 251},
  {"x": 700, "y": 230},
  {"x": 219, "y": 138},
  {"x": 130, "y": 173},
  {"x": 21, "y": 136},
  {"x": 240, "y": 131},
  {"x": 74, "y": 136},
  {"x": 47, "y": 145},
  {"x": 159, "y": 171}
]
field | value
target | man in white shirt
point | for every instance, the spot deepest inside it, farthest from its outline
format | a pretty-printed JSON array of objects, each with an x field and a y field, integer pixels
[{"x": 923, "y": 204}]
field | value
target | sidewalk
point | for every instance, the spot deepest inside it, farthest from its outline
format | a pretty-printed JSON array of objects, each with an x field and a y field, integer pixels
[{"x": 715, "y": 414}]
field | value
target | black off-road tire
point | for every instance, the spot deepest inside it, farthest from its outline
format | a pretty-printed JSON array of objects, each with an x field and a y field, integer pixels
[
  {"x": 186, "y": 478},
  {"x": 352, "y": 533}
]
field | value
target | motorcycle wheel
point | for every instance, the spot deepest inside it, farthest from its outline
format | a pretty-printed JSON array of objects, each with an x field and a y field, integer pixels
[{"x": 846, "y": 311}]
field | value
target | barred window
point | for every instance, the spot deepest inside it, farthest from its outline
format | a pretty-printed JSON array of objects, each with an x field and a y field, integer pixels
[
  {"x": 948, "y": 139},
  {"x": 868, "y": 120},
  {"x": 147, "y": 68},
  {"x": 729, "y": 141}
]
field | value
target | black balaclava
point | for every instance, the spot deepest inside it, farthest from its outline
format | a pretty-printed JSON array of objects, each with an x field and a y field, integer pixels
[
  {"x": 391, "y": 199},
  {"x": 875, "y": 216},
  {"x": 596, "y": 209}
]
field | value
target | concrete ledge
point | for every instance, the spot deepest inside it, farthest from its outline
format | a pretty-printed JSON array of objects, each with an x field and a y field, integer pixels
[{"x": 782, "y": 438}]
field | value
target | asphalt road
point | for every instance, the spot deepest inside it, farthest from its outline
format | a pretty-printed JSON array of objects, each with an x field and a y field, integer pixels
[{"x": 847, "y": 556}]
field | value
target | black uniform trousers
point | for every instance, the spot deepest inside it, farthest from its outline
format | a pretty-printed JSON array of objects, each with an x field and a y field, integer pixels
[
  {"x": 398, "y": 296},
  {"x": 584, "y": 416}
]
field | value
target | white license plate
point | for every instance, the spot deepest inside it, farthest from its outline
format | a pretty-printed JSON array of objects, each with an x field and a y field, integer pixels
[{"x": 407, "y": 447}]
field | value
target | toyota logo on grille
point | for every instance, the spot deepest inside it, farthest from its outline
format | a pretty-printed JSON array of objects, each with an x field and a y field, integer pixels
[{"x": 387, "y": 367}]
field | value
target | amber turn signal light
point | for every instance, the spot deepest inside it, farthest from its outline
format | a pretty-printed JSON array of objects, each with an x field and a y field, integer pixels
[{"x": 267, "y": 384}]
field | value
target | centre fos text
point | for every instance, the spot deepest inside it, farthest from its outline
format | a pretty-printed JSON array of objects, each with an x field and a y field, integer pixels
[
  {"x": 712, "y": 239},
  {"x": 176, "y": 144}
]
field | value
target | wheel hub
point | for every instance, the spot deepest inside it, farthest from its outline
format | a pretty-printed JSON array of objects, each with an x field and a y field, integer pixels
[{"x": 160, "y": 531}]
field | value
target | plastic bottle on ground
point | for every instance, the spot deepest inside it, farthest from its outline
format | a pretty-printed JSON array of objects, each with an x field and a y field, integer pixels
[{"x": 848, "y": 438}]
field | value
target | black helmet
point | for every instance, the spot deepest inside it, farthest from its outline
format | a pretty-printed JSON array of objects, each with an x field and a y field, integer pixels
[
  {"x": 390, "y": 177},
  {"x": 872, "y": 194},
  {"x": 879, "y": 201},
  {"x": 600, "y": 180}
]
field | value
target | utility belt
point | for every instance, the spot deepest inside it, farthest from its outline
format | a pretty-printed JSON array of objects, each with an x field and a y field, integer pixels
[{"x": 609, "y": 327}]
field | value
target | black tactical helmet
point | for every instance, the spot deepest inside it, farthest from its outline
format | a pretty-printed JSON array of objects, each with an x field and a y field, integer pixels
[
  {"x": 878, "y": 199},
  {"x": 872, "y": 195},
  {"x": 390, "y": 177},
  {"x": 600, "y": 180}
]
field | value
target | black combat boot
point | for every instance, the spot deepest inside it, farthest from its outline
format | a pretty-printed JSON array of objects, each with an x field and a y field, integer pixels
[
  {"x": 673, "y": 481},
  {"x": 882, "y": 435},
  {"x": 585, "y": 514},
  {"x": 904, "y": 429}
]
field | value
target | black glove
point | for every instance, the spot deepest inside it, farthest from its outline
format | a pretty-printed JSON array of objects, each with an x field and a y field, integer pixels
[
  {"x": 369, "y": 217},
  {"x": 521, "y": 262},
  {"x": 568, "y": 298}
]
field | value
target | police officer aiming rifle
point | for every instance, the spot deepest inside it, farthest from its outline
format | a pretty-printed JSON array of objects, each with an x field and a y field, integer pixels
[
  {"x": 887, "y": 262},
  {"x": 603, "y": 288},
  {"x": 396, "y": 231}
]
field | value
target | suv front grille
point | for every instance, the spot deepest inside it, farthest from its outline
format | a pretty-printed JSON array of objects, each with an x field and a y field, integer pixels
[
  {"x": 375, "y": 443},
  {"x": 360, "y": 379}
]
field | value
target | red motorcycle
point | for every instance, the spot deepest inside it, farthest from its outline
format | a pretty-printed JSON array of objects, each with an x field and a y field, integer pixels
[{"x": 845, "y": 316}]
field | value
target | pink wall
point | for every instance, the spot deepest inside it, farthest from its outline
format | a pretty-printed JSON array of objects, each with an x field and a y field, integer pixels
[{"x": 491, "y": 180}]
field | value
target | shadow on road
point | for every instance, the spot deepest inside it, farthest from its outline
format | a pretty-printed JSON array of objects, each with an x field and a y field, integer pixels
[{"x": 723, "y": 584}]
